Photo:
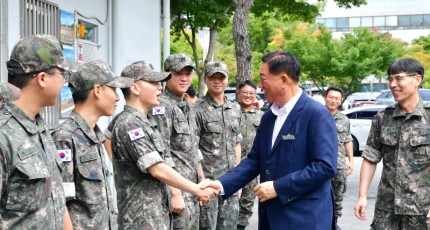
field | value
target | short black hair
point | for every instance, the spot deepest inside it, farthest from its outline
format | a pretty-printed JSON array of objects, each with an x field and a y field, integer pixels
[
  {"x": 247, "y": 82},
  {"x": 191, "y": 91},
  {"x": 334, "y": 88},
  {"x": 406, "y": 65},
  {"x": 126, "y": 93},
  {"x": 22, "y": 80},
  {"x": 282, "y": 61},
  {"x": 80, "y": 96}
]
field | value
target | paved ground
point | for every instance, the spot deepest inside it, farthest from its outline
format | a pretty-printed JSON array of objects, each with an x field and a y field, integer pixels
[{"x": 348, "y": 221}]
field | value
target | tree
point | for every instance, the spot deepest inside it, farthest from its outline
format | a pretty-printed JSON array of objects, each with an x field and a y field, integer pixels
[
  {"x": 418, "y": 52},
  {"x": 345, "y": 62},
  {"x": 290, "y": 9},
  {"x": 192, "y": 16}
]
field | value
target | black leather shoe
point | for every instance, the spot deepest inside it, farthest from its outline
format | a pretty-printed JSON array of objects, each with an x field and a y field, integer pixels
[{"x": 240, "y": 227}]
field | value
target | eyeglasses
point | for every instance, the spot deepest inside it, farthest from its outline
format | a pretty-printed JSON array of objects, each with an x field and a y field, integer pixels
[
  {"x": 399, "y": 77},
  {"x": 66, "y": 75},
  {"x": 247, "y": 93}
]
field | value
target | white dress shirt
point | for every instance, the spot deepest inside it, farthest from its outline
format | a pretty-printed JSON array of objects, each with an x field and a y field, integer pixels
[{"x": 282, "y": 114}]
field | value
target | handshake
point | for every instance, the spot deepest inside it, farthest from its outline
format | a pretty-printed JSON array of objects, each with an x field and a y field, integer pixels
[{"x": 208, "y": 190}]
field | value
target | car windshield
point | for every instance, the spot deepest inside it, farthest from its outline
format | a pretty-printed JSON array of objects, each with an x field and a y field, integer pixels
[{"x": 385, "y": 95}]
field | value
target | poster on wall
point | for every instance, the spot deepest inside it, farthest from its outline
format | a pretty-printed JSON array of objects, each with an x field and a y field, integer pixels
[
  {"x": 67, "y": 104},
  {"x": 67, "y": 29}
]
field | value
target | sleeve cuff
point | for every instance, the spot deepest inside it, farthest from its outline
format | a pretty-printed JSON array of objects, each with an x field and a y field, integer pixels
[
  {"x": 372, "y": 154},
  {"x": 149, "y": 160}
]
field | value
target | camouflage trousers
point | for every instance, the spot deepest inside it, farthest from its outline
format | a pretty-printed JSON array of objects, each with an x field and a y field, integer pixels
[
  {"x": 246, "y": 203},
  {"x": 220, "y": 213},
  {"x": 189, "y": 218},
  {"x": 384, "y": 220},
  {"x": 338, "y": 183}
]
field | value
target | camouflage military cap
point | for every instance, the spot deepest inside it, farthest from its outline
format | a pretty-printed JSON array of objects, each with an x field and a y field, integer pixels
[
  {"x": 216, "y": 67},
  {"x": 142, "y": 70},
  {"x": 176, "y": 62},
  {"x": 36, "y": 53},
  {"x": 96, "y": 73},
  {"x": 8, "y": 92}
]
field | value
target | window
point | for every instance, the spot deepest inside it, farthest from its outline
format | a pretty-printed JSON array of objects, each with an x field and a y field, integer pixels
[
  {"x": 404, "y": 20},
  {"x": 379, "y": 21},
  {"x": 342, "y": 23},
  {"x": 354, "y": 22},
  {"x": 416, "y": 20},
  {"x": 426, "y": 19},
  {"x": 42, "y": 17},
  {"x": 367, "y": 114},
  {"x": 391, "y": 20},
  {"x": 320, "y": 21},
  {"x": 330, "y": 22},
  {"x": 366, "y": 22}
]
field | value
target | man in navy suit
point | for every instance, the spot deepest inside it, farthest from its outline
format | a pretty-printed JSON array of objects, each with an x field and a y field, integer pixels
[{"x": 294, "y": 152}]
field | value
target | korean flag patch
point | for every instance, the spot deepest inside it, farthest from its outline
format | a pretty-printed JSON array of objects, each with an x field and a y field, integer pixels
[
  {"x": 65, "y": 154},
  {"x": 136, "y": 134},
  {"x": 159, "y": 110}
]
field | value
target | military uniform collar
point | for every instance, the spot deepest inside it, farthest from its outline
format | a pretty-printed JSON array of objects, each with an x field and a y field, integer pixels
[
  {"x": 214, "y": 103},
  {"x": 418, "y": 111},
  {"x": 252, "y": 110},
  {"x": 96, "y": 136},
  {"x": 180, "y": 101},
  {"x": 30, "y": 125},
  {"x": 337, "y": 115},
  {"x": 138, "y": 114}
]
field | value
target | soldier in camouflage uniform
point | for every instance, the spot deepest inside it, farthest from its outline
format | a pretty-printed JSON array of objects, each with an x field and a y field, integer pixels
[
  {"x": 333, "y": 99},
  {"x": 141, "y": 171},
  {"x": 249, "y": 122},
  {"x": 219, "y": 131},
  {"x": 8, "y": 92},
  {"x": 176, "y": 124},
  {"x": 32, "y": 195},
  {"x": 79, "y": 144},
  {"x": 399, "y": 137}
]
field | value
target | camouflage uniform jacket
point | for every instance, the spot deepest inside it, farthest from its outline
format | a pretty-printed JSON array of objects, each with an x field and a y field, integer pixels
[
  {"x": 218, "y": 129},
  {"x": 137, "y": 145},
  {"x": 343, "y": 136},
  {"x": 85, "y": 176},
  {"x": 32, "y": 195},
  {"x": 249, "y": 122},
  {"x": 402, "y": 141},
  {"x": 177, "y": 126}
]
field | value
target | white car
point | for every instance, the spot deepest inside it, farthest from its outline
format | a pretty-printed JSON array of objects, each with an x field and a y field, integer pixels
[{"x": 361, "y": 121}]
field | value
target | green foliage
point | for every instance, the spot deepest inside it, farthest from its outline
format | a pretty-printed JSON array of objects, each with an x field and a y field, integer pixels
[
  {"x": 424, "y": 41},
  {"x": 345, "y": 62},
  {"x": 198, "y": 14},
  {"x": 418, "y": 52}
]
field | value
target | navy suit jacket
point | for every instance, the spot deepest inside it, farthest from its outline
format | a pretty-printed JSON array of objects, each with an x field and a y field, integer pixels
[{"x": 301, "y": 164}]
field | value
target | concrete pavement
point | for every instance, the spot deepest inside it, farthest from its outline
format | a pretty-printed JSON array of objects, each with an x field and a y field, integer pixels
[{"x": 348, "y": 221}]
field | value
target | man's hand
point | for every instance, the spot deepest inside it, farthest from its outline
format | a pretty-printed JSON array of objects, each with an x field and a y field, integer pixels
[
  {"x": 178, "y": 203},
  {"x": 360, "y": 208},
  {"x": 208, "y": 190},
  {"x": 349, "y": 167},
  {"x": 265, "y": 191},
  {"x": 206, "y": 183}
]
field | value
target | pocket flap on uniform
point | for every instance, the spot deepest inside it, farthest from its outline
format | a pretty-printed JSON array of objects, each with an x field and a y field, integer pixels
[{"x": 35, "y": 169}]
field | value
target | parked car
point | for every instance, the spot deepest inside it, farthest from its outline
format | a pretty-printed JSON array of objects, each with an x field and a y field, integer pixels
[
  {"x": 364, "y": 98},
  {"x": 361, "y": 121},
  {"x": 386, "y": 97},
  {"x": 258, "y": 103}
]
